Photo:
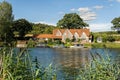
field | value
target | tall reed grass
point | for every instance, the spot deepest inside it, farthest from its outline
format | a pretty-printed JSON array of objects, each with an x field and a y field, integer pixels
[
  {"x": 15, "y": 65},
  {"x": 100, "y": 68}
]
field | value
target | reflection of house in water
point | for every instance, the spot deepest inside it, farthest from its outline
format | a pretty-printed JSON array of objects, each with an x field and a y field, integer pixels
[
  {"x": 63, "y": 34},
  {"x": 73, "y": 58}
]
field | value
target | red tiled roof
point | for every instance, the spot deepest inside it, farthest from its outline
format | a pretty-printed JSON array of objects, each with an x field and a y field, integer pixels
[
  {"x": 44, "y": 36},
  {"x": 61, "y": 30},
  {"x": 79, "y": 31},
  {"x": 47, "y": 36}
]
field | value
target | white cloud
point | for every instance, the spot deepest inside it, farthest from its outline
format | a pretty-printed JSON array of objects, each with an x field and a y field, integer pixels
[
  {"x": 98, "y": 7},
  {"x": 86, "y": 14},
  {"x": 83, "y": 10},
  {"x": 98, "y": 27},
  {"x": 114, "y": 0},
  {"x": 118, "y": 0},
  {"x": 43, "y": 22}
]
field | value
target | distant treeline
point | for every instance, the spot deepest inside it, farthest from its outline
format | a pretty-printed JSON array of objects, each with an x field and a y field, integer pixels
[{"x": 42, "y": 28}]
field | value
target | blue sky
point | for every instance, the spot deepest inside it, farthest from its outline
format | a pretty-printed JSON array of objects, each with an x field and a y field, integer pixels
[{"x": 97, "y": 13}]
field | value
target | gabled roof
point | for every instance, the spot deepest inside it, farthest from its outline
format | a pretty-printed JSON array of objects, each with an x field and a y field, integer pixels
[
  {"x": 73, "y": 31},
  {"x": 61, "y": 30},
  {"x": 86, "y": 31},
  {"x": 79, "y": 31}
]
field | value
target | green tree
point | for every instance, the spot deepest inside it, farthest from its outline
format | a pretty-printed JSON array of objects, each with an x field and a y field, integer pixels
[
  {"x": 22, "y": 26},
  {"x": 67, "y": 40},
  {"x": 116, "y": 24},
  {"x": 110, "y": 38},
  {"x": 6, "y": 19},
  {"x": 72, "y": 21},
  {"x": 42, "y": 28}
]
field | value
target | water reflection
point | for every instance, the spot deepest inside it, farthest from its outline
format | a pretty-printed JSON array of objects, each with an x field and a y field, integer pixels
[
  {"x": 72, "y": 57},
  {"x": 68, "y": 61}
]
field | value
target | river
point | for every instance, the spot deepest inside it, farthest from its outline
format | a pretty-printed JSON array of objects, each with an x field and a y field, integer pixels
[{"x": 66, "y": 58}]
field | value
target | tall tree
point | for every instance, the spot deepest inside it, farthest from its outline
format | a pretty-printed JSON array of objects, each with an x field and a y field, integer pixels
[
  {"x": 6, "y": 18},
  {"x": 116, "y": 24},
  {"x": 22, "y": 26},
  {"x": 72, "y": 21}
]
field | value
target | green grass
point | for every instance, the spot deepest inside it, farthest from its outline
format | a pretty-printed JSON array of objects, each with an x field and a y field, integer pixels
[
  {"x": 87, "y": 45},
  {"x": 105, "y": 45}
]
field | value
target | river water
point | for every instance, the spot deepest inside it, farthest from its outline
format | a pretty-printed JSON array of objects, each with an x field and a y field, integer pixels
[{"x": 67, "y": 58}]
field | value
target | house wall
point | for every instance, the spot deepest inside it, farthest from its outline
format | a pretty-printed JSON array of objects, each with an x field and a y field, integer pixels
[
  {"x": 76, "y": 36},
  {"x": 58, "y": 33},
  {"x": 67, "y": 34},
  {"x": 84, "y": 38}
]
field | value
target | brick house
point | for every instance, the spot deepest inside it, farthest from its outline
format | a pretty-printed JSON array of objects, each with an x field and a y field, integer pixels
[{"x": 63, "y": 34}]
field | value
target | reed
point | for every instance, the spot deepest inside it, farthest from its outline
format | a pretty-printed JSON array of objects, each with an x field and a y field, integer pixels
[
  {"x": 100, "y": 68},
  {"x": 15, "y": 65}
]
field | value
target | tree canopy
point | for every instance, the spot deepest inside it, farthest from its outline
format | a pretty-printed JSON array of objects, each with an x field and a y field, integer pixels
[
  {"x": 22, "y": 26},
  {"x": 72, "y": 21},
  {"x": 6, "y": 19},
  {"x": 116, "y": 24},
  {"x": 42, "y": 28},
  {"x": 6, "y": 12}
]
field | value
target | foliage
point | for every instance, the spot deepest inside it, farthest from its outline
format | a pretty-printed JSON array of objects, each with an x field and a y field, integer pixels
[
  {"x": 110, "y": 38},
  {"x": 6, "y": 19},
  {"x": 106, "y": 36},
  {"x": 98, "y": 45},
  {"x": 6, "y": 12},
  {"x": 22, "y": 26},
  {"x": 105, "y": 45},
  {"x": 42, "y": 28},
  {"x": 31, "y": 43},
  {"x": 117, "y": 38},
  {"x": 67, "y": 40},
  {"x": 116, "y": 23},
  {"x": 68, "y": 44},
  {"x": 100, "y": 68},
  {"x": 17, "y": 65},
  {"x": 72, "y": 21}
]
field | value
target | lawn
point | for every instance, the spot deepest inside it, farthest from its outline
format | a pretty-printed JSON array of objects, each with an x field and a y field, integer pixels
[{"x": 103, "y": 45}]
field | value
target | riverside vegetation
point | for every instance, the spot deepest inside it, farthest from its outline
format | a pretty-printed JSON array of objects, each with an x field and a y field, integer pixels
[{"x": 18, "y": 65}]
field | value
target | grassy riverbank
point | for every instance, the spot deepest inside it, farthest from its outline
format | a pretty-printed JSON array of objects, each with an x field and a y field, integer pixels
[{"x": 103, "y": 45}]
